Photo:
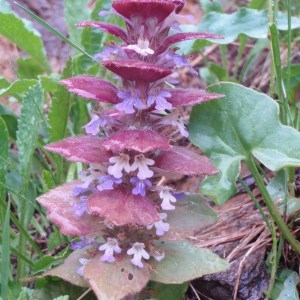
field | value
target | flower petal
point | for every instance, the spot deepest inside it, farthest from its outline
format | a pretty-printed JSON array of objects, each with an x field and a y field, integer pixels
[
  {"x": 184, "y": 161},
  {"x": 93, "y": 88},
  {"x": 137, "y": 140},
  {"x": 181, "y": 97},
  {"x": 59, "y": 203},
  {"x": 120, "y": 207},
  {"x": 144, "y": 8},
  {"x": 135, "y": 70},
  {"x": 109, "y": 28},
  {"x": 86, "y": 149}
]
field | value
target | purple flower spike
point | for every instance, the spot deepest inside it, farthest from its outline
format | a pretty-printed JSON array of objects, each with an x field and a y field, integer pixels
[
  {"x": 93, "y": 127},
  {"x": 110, "y": 247},
  {"x": 138, "y": 252},
  {"x": 159, "y": 97},
  {"x": 141, "y": 164},
  {"x": 140, "y": 186},
  {"x": 107, "y": 182},
  {"x": 83, "y": 261},
  {"x": 130, "y": 99},
  {"x": 160, "y": 226},
  {"x": 81, "y": 244},
  {"x": 80, "y": 208}
]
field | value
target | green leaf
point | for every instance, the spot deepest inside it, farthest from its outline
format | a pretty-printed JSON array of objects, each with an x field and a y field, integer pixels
[
  {"x": 28, "y": 68},
  {"x": 3, "y": 161},
  {"x": 55, "y": 289},
  {"x": 251, "y": 22},
  {"x": 10, "y": 120},
  {"x": 233, "y": 128},
  {"x": 59, "y": 111},
  {"x": 19, "y": 86},
  {"x": 168, "y": 291},
  {"x": 190, "y": 216},
  {"x": 75, "y": 11},
  {"x": 293, "y": 74},
  {"x": 286, "y": 286},
  {"x": 276, "y": 188},
  {"x": 29, "y": 124},
  {"x": 184, "y": 261},
  {"x": 208, "y": 6},
  {"x": 3, "y": 83},
  {"x": 5, "y": 253},
  {"x": 22, "y": 33}
]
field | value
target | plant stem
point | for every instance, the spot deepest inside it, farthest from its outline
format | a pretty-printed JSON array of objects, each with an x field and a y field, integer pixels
[
  {"x": 273, "y": 260},
  {"x": 271, "y": 207}
]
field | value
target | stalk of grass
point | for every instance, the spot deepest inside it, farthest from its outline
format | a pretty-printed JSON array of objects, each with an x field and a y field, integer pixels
[
  {"x": 22, "y": 230},
  {"x": 274, "y": 213},
  {"x": 5, "y": 264}
]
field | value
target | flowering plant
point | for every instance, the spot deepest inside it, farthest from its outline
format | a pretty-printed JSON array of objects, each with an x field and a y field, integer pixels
[{"x": 132, "y": 227}]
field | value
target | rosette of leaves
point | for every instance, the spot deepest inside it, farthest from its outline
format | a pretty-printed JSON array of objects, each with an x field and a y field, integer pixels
[{"x": 131, "y": 227}]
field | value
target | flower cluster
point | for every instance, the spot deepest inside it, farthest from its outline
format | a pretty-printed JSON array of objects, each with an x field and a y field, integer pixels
[{"x": 120, "y": 196}]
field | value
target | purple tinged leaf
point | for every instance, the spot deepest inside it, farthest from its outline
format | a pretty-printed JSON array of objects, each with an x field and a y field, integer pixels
[
  {"x": 93, "y": 88},
  {"x": 184, "y": 161},
  {"x": 144, "y": 9},
  {"x": 109, "y": 28},
  {"x": 180, "y": 97},
  {"x": 135, "y": 70},
  {"x": 120, "y": 207},
  {"x": 59, "y": 204},
  {"x": 116, "y": 280},
  {"x": 68, "y": 270},
  {"x": 183, "y": 36},
  {"x": 86, "y": 149},
  {"x": 137, "y": 140}
]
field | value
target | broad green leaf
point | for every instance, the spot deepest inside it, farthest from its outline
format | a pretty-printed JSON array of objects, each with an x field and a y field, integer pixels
[
  {"x": 233, "y": 128},
  {"x": 208, "y": 6},
  {"x": 29, "y": 124},
  {"x": 184, "y": 261},
  {"x": 21, "y": 32},
  {"x": 168, "y": 291},
  {"x": 59, "y": 111},
  {"x": 114, "y": 281},
  {"x": 251, "y": 22},
  {"x": 190, "y": 216},
  {"x": 75, "y": 11}
]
